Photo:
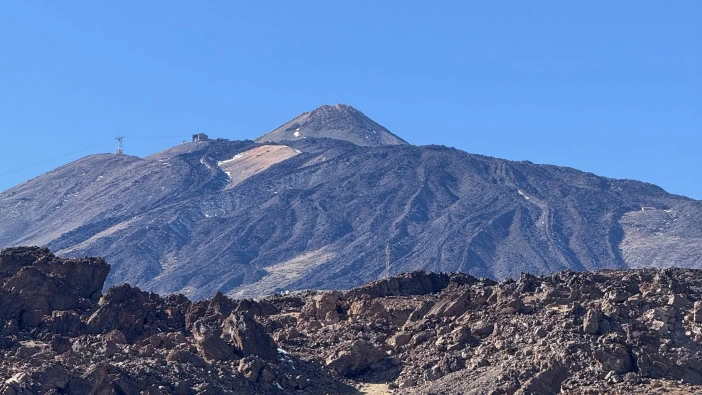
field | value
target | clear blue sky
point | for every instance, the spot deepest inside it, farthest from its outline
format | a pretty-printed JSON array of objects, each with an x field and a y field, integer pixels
[{"x": 614, "y": 88}]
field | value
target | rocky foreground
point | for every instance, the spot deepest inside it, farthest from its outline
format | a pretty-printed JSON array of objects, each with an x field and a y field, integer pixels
[{"x": 634, "y": 331}]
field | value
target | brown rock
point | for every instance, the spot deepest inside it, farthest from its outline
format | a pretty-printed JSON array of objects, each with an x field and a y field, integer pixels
[
  {"x": 399, "y": 339},
  {"x": 353, "y": 359},
  {"x": 451, "y": 307},
  {"x": 64, "y": 323},
  {"x": 410, "y": 284},
  {"x": 617, "y": 295},
  {"x": 460, "y": 335},
  {"x": 482, "y": 329},
  {"x": 116, "y": 336},
  {"x": 184, "y": 356},
  {"x": 323, "y": 307},
  {"x": 614, "y": 357},
  {"x": 591, "y": 322},
  {"x": 512, "y": 305},
  {"x": 369, "y": 309},
  {"x": 547, "y": 381},
  {"x": 540, "y": 332},
  {"x": 248, "y": 336},
  {"x": 251, "y": 367},
  {"x": 210, "y": 344}
]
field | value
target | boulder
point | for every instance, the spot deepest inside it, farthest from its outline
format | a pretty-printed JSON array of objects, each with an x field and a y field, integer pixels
[
  {"x": 460, "y": 335},
  {"x": 614, "y": 357},
  {"x": 353, "y": 359},
  {"x": 323, "y": 307},
  {"x": 451, "y": 307},
  {"x": 618, "y": 295},
  {"x": 547, "y": 381},
  {"x": 368, "y": 309},
  {"x": 399, "y": 339},
  {"x": 511, "y": 306},
  {"x": 250, "y": 367},
  {"x": 210, "y": 344},
  {"x": 248, "y": 336},
  {"x": 591, "y": 322},
  {"x": 482, "y": 329}
]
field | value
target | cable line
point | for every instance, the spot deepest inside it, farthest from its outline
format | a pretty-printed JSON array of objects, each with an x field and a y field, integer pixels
[{"x": 79, "y": 151}]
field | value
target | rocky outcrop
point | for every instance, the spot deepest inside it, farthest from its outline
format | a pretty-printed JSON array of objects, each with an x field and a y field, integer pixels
[
  {"x": 137, "y": 313},
  {"x": 35, "y": 283},
  {"x": 412, "y": 284},
  {"x": 605, "y": 332},
  {"x": 324, "y": 307},
  {"x": 68, "y": 339},
  {"x": 248, "y": 336},
  {"x": 353, "y": 358}
]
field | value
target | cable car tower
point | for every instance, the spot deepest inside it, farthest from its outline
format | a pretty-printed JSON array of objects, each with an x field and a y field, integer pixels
[{"x": 119, "y": 145}]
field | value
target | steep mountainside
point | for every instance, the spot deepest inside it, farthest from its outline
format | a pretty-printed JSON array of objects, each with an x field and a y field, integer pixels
[
  {"x": 340, "y": 122},
  {"x": 249, "y": 219}
]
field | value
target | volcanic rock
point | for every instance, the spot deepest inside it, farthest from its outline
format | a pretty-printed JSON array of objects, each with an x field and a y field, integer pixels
[
  {"x": 356, "y": 357},
  {"x": 131, "y": 341},
  {"x": 248, "y": 336}
]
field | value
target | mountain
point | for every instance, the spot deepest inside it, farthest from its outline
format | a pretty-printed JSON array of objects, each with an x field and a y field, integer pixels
[
  {"x": 339, "y": 122},
  {"x": 249, "y": 218}
]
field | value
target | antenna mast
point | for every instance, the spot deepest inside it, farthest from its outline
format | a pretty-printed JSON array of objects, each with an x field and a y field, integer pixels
[{"x": 119, "y": 145}]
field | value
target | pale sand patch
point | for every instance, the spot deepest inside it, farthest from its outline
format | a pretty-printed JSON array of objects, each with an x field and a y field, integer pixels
[
  {"x": 249, "y": 163},
  {"x": 284, "y": 273},
  {"x": 374, "y": 389}
]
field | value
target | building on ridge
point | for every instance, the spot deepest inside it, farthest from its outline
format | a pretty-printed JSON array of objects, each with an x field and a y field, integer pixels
[{"x": 199, "y": 137}]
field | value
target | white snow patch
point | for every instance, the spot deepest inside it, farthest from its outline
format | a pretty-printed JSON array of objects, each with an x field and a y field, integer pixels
[
  {"x": 280, "y": 350},
  {"x": 237, "y": 156},
  {"x": 229, "y": 174},
  {"x": 296, "y": 134},
  {"x": 298, "y": 151},
  {"x": 522, "y": 193},
  {"x": 99, "y": 178},
  {"x": 278, "y": 385}
]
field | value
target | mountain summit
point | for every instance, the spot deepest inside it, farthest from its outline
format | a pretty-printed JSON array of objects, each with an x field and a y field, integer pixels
[{"x": 339, "y": 122}]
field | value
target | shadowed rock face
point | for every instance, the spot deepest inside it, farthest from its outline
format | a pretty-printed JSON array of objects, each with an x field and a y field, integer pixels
[
  {"x": 635, "y": 331},
  {"x": 327, "y": 216},
  {"x": 34, "y": 283}
]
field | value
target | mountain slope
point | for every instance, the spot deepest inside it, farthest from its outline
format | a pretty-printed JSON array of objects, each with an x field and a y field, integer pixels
[
  {"x": 249, "y": 219},
  {"x": 339, "y": 122}
]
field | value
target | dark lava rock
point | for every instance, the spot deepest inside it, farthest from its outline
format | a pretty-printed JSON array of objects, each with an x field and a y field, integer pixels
[{"x": 568, "y": 332}]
